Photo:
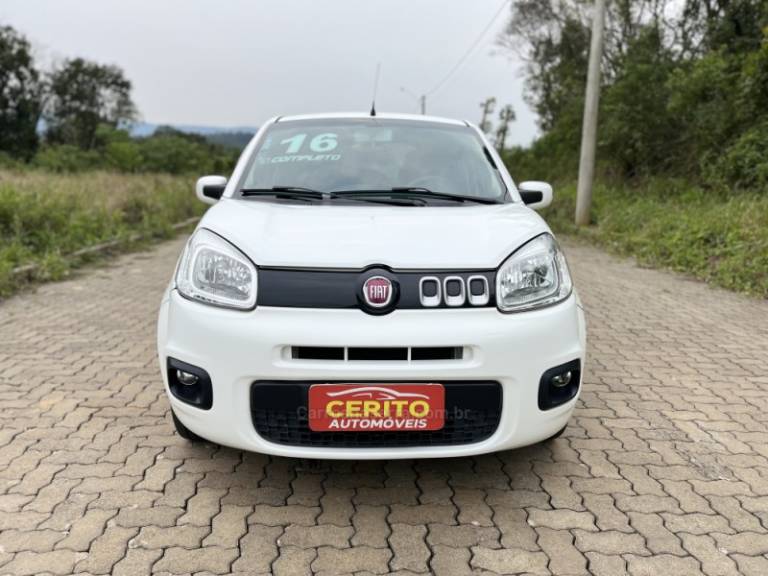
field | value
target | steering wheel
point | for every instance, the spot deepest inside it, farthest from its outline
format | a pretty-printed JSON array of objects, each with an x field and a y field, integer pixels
[{"x": 365, "y": 177}]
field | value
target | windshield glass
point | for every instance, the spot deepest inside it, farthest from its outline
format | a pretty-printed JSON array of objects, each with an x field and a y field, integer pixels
[{"x": 333, "y": 155}]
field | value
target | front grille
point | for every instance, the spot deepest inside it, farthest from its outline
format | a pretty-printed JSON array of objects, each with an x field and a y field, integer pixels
[
  {"x": 342, "y": 289},
  {"x": 371, "y": 354},
  {"x": 279, "y": 413}
]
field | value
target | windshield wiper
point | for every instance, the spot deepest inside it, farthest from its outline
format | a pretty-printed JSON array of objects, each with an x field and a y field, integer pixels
[
  {"x": 376, "y": 198},
  {"x": 398, "y": 196},
  {"x": 308, "y": 194},
  {"x": 291, "y": 192},
  {"x": 416, "y": 192},
  {"x": 422, "y": 192}
]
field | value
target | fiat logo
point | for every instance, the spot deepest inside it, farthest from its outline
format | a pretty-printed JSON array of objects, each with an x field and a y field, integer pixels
[{"x": 377, "y": 291}]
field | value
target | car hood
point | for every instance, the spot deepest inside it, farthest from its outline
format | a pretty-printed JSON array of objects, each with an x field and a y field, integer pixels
[{"x": 328, "y": 236}]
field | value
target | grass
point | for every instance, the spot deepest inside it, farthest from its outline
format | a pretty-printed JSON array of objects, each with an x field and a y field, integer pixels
[
  {"x": 46, "y": 217},
  {"x": 717, "y": 237},
  {"x": 720, "y": 238}
]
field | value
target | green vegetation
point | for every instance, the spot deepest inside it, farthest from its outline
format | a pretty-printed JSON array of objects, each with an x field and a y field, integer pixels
[
  {"x": 43, "y": 219},
  {"x": 683, "y": 129},
  {"x": 21, "y": 96},
  {"x": 81, "y": 97},
  {"x": 166, "y": 151},
  {"x": 684, "y": 94},
  {"x": 83, "y": 180},
  {"x": 719, "y": 238}
]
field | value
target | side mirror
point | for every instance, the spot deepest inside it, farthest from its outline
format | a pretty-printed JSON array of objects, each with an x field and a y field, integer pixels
[
  {"x": 210, "y": 188},
  {"x": 536, "y": 195}
]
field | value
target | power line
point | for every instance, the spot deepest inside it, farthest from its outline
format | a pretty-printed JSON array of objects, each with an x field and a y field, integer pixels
[{"x": 471, "y": 49}]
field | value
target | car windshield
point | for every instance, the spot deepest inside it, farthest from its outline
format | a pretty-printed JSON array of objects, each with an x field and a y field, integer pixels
[{"x": 376, "y": 155}]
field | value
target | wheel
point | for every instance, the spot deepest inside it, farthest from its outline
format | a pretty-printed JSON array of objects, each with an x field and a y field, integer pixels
[
  {"x": 183, "y": 431},
  {"x": 557, "y": 434}
]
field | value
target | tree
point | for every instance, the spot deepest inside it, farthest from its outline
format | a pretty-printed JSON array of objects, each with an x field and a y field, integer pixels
[
  {"x": 506, "y": 117},
  {"x": 734, "y": 25},
  {"x": 553, "y": 38},
  {"x": 21, "y": 96},
  {"x": 638, "y": 130},
  {"x": 169, "y": 150},
  {"x": 682, "y": 82},
  {"x": 84, "y": 95},
  {"x": 119, "y": 151}
]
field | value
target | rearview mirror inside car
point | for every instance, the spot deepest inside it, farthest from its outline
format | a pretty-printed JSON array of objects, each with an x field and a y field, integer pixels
[
  {"x": 536, "y": 195},
  {"x": 210, "y": 188}
]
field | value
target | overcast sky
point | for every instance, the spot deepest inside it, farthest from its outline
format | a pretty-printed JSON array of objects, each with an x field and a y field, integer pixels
[{"x": 238, "y": 62}]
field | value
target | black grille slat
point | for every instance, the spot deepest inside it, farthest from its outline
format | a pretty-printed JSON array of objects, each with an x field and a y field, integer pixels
[
  {"x": 437, "y": 353},
  {"x": 476, "y": 287},
  {"x": 279, "y": 413},
  {"x": 317, "y": 353},
  {"x": 374, "y": 354}
]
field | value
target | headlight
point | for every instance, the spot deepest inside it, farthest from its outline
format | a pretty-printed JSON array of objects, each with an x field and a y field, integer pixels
[
  {"x": 213, "y": 271},
  {"x": 533, "y": 277}
]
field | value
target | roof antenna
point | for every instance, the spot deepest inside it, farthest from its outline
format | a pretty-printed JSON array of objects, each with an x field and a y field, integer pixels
[{"x": 375, "y": 88}]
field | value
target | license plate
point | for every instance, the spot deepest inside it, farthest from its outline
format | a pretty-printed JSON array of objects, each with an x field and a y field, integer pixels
[{"x": 376, "y": 407}]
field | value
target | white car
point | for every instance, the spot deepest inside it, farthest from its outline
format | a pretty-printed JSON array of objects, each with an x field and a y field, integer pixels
[{"x": 371, "y": 287}]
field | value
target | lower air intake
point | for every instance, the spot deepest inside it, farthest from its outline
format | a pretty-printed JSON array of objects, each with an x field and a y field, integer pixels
[{"x": 279, "y": 413}]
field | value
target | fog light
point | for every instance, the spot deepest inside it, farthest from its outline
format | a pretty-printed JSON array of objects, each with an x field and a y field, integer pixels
[
  {"x": 186, "y": 378},
  {"x": 190, "y": 384},
  {"x": 561, "y": 380},
  {"x": 559, "y": 384}
]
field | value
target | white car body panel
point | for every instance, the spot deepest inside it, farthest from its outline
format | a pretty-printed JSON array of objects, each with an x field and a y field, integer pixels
[
  {"x": 238, "y": 347},
  {"x": 274, "y": 234}
]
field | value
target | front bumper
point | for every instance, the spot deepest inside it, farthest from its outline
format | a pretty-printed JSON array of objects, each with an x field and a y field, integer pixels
[{"x": 239, "y": 348}]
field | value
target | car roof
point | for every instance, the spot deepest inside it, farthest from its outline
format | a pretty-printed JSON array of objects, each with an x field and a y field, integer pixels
[{"x": 379, "y": 116}]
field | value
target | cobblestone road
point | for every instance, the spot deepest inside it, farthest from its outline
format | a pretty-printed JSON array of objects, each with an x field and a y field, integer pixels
[{"x": 663, "y": 471}]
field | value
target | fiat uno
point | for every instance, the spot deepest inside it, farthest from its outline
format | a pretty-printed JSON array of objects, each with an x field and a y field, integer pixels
[{"x": 371, "y": 287}]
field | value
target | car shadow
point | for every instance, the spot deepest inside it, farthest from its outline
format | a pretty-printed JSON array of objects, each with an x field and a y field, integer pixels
[{"x": 254, "y": 479}]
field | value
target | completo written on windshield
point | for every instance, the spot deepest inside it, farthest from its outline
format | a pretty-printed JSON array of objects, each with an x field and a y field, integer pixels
[
  {"x": 320, "y": 145},
  {"x": 302, "y": 158}
]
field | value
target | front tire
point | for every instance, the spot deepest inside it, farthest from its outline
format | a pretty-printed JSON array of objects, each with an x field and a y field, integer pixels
[
  {"x": 557, "y": 434},
  {"x": 183, "y": 431}
]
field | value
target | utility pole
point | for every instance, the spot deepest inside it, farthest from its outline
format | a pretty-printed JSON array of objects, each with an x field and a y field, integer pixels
[
  {"x": 589, "y": 129},
  {"x": 487, "y": 106},
  {"x": 422, "y": 99},
  {"x": 506, "y": 115}
]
